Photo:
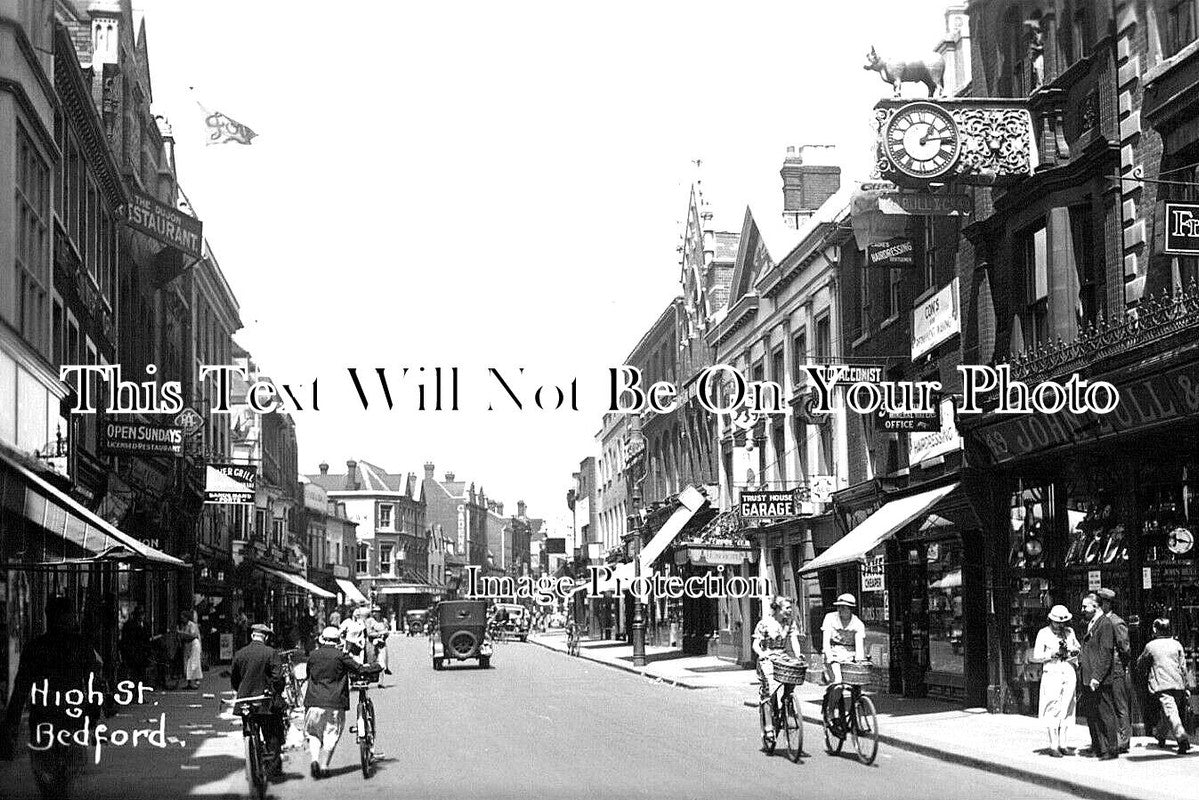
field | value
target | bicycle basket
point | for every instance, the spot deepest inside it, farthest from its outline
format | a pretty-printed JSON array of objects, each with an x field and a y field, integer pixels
[
  {"x": 790, "y": 671},
  {"x": 856, "y": 674}
]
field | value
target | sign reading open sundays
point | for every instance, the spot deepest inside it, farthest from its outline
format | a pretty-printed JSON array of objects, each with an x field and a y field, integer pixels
[
  {"x": 168, "y": 225},
  {"x": 767, "y": 505},
  {"x": 141, "y": 439}
]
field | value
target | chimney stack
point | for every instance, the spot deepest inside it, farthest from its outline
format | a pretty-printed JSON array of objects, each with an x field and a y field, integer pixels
[
  {"x": 324, "y": 467},
  {"x": 352, "y": 475},
  {"x": 809, "y": 178},
  {"x": 520, "y": 508},
  {"x": 428, "y": 470},
  {"x": 449, "y": 477}
]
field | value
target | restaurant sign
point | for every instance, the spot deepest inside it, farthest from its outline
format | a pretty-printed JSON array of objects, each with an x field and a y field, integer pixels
[
  {"x": 708, "y": 555},
  {"x": 767, "y": 505},
  {"x": 167, "y": 225},
  {"x": 140, "y": 439},
  {"x": 1144, "y": 404},
  {"x": 1182, "y": 229},
  {"x": 936, "y": 319},
  {"x": 230, "y": 483}
]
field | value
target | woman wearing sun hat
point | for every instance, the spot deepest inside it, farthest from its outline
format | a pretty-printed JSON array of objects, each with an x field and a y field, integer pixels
[
  {"x": 1057, "y": 649},
  {"x": 844, "y": 637}
]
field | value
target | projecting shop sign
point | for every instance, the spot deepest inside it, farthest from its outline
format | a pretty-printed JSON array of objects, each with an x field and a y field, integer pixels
[
  {"x": 140, "y": 439},
  {"x": 168, "y": 225},
  {"x": 1182, "y": 229},
  {"x": 767, "y": 505}
]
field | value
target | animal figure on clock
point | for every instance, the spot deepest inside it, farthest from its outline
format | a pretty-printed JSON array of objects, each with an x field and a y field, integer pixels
[{"x": 930, "y": 71}]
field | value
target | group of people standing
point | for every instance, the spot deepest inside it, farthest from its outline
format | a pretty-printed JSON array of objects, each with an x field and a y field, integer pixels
[{"x": 1100, "y": 665}]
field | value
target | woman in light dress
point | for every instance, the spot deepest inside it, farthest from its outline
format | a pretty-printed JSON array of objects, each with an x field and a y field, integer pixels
[
  {"x": 1057, "y": 649},
  {"x": 189, "y": 637}
]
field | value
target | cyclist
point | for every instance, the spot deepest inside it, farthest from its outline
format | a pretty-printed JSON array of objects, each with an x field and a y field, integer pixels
[
  {"x": 770, "y": 640},
  {"x": 258, "y": 670},
  {"x": 844, "y": 637},
  {"x": 328, "y": 696}
]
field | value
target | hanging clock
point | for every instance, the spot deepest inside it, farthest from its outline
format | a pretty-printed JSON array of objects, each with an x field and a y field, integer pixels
[
  {"x": 921, "y": 140},
  {"x": 1180, "y": 541}
]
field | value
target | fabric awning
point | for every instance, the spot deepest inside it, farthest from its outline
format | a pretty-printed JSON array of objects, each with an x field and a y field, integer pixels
[
  {"x": 352, "y": 593},
  {"x": 406, "y": 588},
  {"x": 56, "y": 529},
  {"x": 296, "y": 580},
  {"x": 876, "y": 529}
]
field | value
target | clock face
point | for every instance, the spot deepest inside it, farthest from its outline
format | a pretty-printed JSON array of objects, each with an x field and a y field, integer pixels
[
  {"x": 1180, "y": 541},
  {"x": 921, "y": 140}
]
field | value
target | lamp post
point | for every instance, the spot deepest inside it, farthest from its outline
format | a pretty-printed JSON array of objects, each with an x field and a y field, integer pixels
[{"x": 637, "y": 465}]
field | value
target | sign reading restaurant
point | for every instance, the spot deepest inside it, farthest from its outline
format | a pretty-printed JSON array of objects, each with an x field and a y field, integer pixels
[
  {"x": 141, "y": 439},
  {"x": 168, "y": 225},
  {"x": 767, "y": 505}
]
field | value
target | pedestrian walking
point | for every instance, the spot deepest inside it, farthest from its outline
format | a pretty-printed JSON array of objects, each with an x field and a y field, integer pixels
[
  {"x": 135, "y": 644},
  {"x": 328, "y": 697},
  {"x": 1057, "y": 648},
  {"x": 189, "y": 637},
  {"x": 377, "y": 631},
  {"x": 1122, "y": 681},
  {"x": 257, "y": 670},
  {"x": 61, "y": 660},
  {"x": 1165, "y": 662},
  {"x": 1097, "y": 672},
  {"x": 353, "y": 634}
]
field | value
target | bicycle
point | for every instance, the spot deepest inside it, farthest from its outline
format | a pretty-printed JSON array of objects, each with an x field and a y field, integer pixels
[
  {"x": 293, "y": 689},
  {"x": 364, "y": 728},
  {"x": 859, "y": 720},
  {"x": 251, "y": 729},
  {"x": 784, "y": 717}
]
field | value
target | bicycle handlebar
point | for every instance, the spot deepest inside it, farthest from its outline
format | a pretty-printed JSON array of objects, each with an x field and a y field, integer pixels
[{"x": 254, "y": 699}]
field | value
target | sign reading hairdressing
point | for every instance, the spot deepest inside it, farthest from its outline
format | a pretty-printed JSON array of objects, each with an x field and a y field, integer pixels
[
  {"x": 897, "y": 252},
  {"x": 922, "y": 446},
  {"x": 936, "y": 319},
  {"x": 165, "y": 224},
  {"x": 767, "y": 505},
  {"x": 140, "y": 439},
  {"x": 1182, "y": 229}
]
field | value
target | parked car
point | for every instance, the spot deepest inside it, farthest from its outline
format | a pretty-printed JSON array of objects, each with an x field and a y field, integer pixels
[
  {"x": 461, "y": 633},
  {"x": 512, "y": 621},
  {"x": 415, "y": 621}
]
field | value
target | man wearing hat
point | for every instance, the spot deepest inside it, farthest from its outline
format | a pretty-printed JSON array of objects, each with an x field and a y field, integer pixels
[
  {"x": 1121, "y": 688},
  {"x": 328, "y": 697},
  {"x": 844, "y": 636},
  {"x": 258, "y": 670},
  {"x": 1096, "y": 672}
]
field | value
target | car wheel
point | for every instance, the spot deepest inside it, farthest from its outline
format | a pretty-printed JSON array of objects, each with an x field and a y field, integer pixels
[
  {"x": 437, "y": 663},
  {"x": 485, "y": 662},
  {"x": 462, "y": 644}
]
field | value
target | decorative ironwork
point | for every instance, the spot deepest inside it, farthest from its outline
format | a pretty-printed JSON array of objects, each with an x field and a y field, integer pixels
[
  {"x": 996, "y": 142},
  {"x": 1154, "y": 319},
  {"x": 727, "y": 529}
]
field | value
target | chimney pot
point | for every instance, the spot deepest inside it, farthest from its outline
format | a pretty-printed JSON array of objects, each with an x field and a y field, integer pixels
[
  {"x": 324, "y": 467},
  {"x": 428, "y": 469},
  {"x": 449, "y": 477}
]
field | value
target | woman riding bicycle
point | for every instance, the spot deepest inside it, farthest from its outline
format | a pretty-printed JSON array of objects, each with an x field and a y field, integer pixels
[
  {"x": 770, "y": 640},
  {"x": 844, "y": 637}
]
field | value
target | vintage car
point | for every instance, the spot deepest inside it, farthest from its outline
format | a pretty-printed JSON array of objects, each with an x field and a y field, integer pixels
[
  {"x": 415, "y": 621},
  {"x": 460, "y": 633},
  {"x": 512, "y": 621}
]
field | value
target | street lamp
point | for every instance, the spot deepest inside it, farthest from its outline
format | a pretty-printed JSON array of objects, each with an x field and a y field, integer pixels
[{"x": 638, "y": 631}]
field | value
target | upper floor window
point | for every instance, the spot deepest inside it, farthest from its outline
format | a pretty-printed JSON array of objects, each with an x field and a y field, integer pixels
[
  {"x": 385, "y": 559},
  {"x": 386, "y": 519},
  {"x": 895, "y": 277},
  {"x": 33, "y": 276},
  {"x": 361, "y": 562},
  {"x": 799, "y": 357},
  {"x": 863, "y": 302},
  {"x": 1179, "y": 29},
  {"x": 824, "y": 340},
  {"x": 1033, "y": 252}
]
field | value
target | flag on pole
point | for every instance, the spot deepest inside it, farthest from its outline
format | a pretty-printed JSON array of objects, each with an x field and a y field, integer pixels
[{"x": 221, "y": 127}]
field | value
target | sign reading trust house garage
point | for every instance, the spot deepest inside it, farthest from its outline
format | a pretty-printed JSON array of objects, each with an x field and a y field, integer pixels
[
  {"x": 767, "y": 505},
  {"x": 168, "y": 225},
  {"x": 140, "y": 439}
]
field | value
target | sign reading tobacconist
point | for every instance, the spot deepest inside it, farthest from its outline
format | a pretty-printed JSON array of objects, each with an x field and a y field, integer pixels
[
  {"x": 168, "y": 225},
  {"x": 140, "y": 439}
]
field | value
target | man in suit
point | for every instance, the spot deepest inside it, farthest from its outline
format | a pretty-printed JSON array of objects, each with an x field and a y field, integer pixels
[
  {"x": 258, "y": 670},
  {"x": 1121, "y": 688},
  {"x": 1097, "y": 674}
]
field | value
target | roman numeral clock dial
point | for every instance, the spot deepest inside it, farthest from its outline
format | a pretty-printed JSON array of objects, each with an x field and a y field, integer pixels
[{"x": 921, "y": 140}]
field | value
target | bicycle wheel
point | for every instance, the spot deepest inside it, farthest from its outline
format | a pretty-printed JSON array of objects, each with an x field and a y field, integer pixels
[
  {"x": 865, "y": 729},
  {"x": 255, "y": 768},
  {"x": 793, "y": 729},
  {"x": 834, "y": 735},
  {"x": 365, "y": 734}
]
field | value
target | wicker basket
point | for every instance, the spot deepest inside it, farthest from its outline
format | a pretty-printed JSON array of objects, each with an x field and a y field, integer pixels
[
  {"x": 790, "y": 671},
  {"x": 856, "y": 674}
]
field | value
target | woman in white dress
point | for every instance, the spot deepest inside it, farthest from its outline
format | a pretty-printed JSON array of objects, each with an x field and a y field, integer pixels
[
  {"x": 189, "y": 637},
  {"x": 1057, "y": 649}
]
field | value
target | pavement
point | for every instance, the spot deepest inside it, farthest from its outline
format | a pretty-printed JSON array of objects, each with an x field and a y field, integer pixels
[
  {"x": 537, "y": 725},
  {"x": 1001, "y": 744}
]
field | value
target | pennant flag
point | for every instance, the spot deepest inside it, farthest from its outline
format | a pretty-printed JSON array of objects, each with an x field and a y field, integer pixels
[{"x": 222, "y": 128}]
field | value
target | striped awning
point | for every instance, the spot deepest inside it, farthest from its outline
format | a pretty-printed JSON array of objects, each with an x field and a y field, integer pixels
[{"x": 44, "y": 527}]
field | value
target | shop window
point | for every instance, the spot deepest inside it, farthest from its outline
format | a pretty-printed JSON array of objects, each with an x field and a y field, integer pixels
[
  {"x": 946, "y": 622},
  {"x": 1179, "y": 26},
  {"x": 1032, "y": 250},
  {"x": 1169, "y": 509},
  {"x": 872, "y": 607}
]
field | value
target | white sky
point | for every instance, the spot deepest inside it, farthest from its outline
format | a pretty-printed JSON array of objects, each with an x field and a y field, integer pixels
[{"x": 492, "y": 184}]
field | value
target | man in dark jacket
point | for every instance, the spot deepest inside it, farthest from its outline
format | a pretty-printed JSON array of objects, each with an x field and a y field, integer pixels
[
  {"x": 1121, "y": 687},
  {"x": 1097, "y": 673},
  {"x": 258, "y": 670},
  {"x": 328, "y": 696}
]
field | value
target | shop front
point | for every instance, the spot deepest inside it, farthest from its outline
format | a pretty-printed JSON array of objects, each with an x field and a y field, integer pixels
[
  {"x": 1088, "y": 501},
  {"x": 717, "y": 625}
]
